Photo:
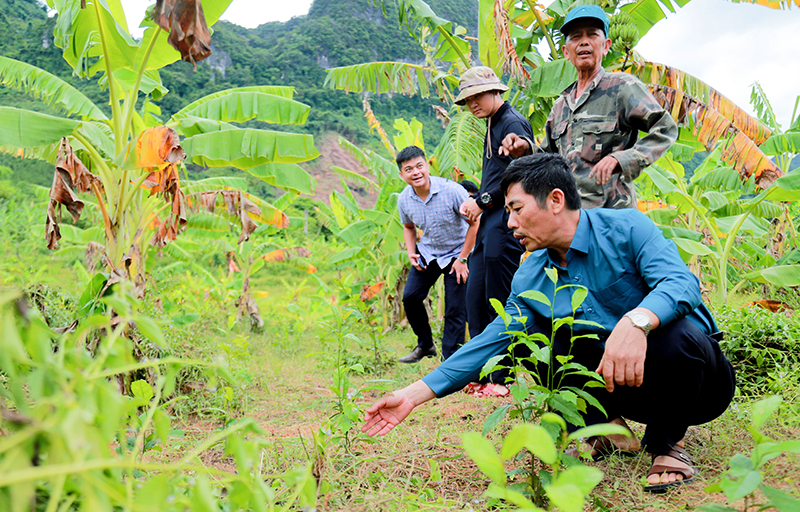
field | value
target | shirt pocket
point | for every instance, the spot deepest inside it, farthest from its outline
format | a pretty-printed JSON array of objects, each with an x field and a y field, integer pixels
[
  {"x": 623, "y": 294},
  {"x": 559, "y": 132},
  {"x": 598, "y": 139}
]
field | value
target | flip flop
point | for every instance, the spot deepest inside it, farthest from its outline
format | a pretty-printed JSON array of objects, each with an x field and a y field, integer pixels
[
  {"x": 689, "y": 474},
  {"x": 473, "y": 387},
  {"x": 603, "y": 447},
  {"x": 492, "y": 390}
]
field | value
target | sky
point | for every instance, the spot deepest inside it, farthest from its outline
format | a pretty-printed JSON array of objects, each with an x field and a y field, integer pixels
[{"x": 729, "y": 46}]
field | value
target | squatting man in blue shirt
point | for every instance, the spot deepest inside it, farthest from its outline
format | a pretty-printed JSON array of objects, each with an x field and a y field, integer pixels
[
  {"x": 431, "y": 204},
  {"x": 657, "y": 350}
]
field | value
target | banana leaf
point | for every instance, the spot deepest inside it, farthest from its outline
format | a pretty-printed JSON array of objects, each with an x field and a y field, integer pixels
[
  {"x": 27, "y": 129},
  {"x": 190, "y": 125},
  {"x": 162, "y": 52},
  {"x": 674, "y": 78},
  {"x": 241, "y": 106},
  {"x": 646, "y": 13},
  {"x": 779, "y": 144},
  {"x": 246, "y": 148},
  {"x": 50, "y": 89},
  {"x": 394, "y": 77},
  {"x": 779, "y": 275},
  {"x": 461, "y": 146},
  {"x": 289, "y": 177},
  {"x": 771, "y": 4},
  {"x": 98, "y": 31}
]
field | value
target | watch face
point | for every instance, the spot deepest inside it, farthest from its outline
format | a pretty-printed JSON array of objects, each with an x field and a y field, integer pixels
[{"x": 486, "y": 198}]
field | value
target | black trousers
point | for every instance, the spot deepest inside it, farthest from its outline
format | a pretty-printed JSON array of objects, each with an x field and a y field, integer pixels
[
  {"x": 417, "y": 287},
  {"x": 490, "y": 275},
  {"x": 687, "y": 381}
]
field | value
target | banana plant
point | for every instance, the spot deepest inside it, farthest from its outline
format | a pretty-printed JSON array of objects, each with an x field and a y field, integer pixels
[
  {"x": 130, "y": 160},
  {"x": 509, "y": 34},
  {"x": 724, "y": 208}
]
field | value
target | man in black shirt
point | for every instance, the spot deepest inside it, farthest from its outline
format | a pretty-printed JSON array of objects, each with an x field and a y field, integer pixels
[{"x": 496, "y": 255}]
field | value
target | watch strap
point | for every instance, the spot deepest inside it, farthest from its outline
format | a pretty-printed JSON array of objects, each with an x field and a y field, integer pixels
[{"x": 646, "y": 328}]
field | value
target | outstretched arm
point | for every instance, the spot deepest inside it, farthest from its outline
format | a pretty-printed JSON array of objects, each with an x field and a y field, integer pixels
[{"x": 391, "y": 410}]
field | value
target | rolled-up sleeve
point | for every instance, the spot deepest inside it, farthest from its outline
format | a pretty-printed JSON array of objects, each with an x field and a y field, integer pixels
[{"x": 642, "y": 112}]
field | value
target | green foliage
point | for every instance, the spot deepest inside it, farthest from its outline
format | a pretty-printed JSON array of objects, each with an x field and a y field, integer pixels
[
  {"x": 342, "y": 427},
  {"x": 726, "y": 210},
  {"x": 764, "y": 347},
  {"x": 746, "y": 474},
  {"x": 61, "y": 411},
  {"x": 553, "y": 487},
  {"x": 537, "y": 380}
]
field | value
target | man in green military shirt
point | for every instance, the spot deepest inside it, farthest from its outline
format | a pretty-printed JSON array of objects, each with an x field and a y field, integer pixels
[{"x": 595, "y": 124}]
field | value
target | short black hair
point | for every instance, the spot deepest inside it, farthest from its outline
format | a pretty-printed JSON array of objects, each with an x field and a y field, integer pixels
[
  {"x": 408, "y": 153},
  {"x": 470, "y": 187},
  {"x": 541, "y": 173}
]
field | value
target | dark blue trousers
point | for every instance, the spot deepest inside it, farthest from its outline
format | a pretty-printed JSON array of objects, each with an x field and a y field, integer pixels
[{"x": 417, "y": 287}]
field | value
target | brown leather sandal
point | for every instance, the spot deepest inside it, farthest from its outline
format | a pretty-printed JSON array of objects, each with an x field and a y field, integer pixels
[
  {"x": 689, "y": 474},
  {"x": 603, "y": 447}
]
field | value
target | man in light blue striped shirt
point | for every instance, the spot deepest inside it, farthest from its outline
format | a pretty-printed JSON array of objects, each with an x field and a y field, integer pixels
[{"x": 430, "y": 204}]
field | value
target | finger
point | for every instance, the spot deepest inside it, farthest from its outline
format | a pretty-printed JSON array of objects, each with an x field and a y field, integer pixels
[
  {"x": 608, "y": 375},
  {"x": 619, "y": 373},
  {"x": 376, "y": 428},
  {"x": 630, "y": 375},
  {"x": 375, "y": 407},
  {"x": 386, "y": 429},
  {"x": 639, "y": 374}
]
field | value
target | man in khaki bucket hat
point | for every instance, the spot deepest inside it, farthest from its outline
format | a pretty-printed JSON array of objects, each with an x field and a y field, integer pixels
[
  {"x": 497, "y": 254},
  {"x": 476, "y": 80}
]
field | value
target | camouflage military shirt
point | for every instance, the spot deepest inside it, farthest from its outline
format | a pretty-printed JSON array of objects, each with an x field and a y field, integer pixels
[{"x": 606, "y": 120}]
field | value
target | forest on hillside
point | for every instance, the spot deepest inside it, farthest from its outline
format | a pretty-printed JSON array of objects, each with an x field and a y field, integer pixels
[{"x": 295, "y": 53}]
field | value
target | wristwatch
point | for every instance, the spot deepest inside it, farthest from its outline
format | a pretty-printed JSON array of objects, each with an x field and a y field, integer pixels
[
  {"x": 640, "y": 320},
  {"x": 462, "y": 260},
  {"x": 485, "y": 200}
]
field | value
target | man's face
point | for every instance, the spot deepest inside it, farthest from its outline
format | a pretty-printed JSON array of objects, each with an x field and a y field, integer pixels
[
  {"x": 482, "y": 105},
  {"x": 586, "y": 46},
  {"x": 415, "y": 172},
  {"x": 533, "y": 226}
]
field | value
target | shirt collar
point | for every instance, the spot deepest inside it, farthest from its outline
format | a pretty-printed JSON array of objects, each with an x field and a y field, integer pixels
[
  {"x": 499, "y": 112},
  {"x": 595, "y": 81},
  {"x": 435, "y": 187},
  {"x": 580, "y": 241}
]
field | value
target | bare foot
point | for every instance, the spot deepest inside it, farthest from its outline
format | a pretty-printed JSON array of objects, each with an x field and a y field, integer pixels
[{"x": 666, "y": 460}]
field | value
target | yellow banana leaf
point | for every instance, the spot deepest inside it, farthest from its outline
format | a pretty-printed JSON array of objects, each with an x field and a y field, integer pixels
[
  {"x": 684, "y": 83},
  {"x": 710, "y": 126}
]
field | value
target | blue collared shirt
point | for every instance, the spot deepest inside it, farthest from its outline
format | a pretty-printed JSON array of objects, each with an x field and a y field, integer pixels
[
  {"x": 623, "y": 260},
  {"x": 443, "y": 228}
]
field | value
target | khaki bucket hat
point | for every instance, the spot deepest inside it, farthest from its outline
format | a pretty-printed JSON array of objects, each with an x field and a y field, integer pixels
[{"x": 476, "y": 80}]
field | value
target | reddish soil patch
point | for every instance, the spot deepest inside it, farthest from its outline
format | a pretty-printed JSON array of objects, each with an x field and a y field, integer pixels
[{"x": 327, "y": 179}]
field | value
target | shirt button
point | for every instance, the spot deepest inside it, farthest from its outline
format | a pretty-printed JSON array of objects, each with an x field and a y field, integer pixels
[{"x": 589, "y": 310}]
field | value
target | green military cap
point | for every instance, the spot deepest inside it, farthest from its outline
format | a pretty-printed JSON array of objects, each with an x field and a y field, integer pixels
[
  {"x": 585, "y": 12},
  {"x": 477, "y": 80}
]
